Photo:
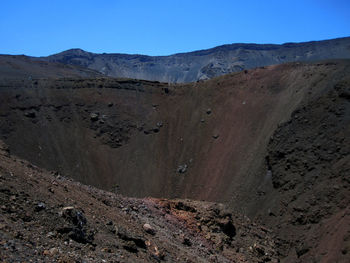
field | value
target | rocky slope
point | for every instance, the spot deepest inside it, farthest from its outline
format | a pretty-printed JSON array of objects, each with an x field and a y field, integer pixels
[
  {"x": 308, "y": 160},
  {"x": 203, "y": 64},
  {"x": 49, "y": 218}
]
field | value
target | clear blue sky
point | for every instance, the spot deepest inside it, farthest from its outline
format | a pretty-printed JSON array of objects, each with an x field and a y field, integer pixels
[{"x": 43, "y": 27}]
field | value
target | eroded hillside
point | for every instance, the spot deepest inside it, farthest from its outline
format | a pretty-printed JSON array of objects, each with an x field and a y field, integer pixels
[
  {"x": 308, "y": 160},
  {"x": 203, "y": 140},
  {"x": 203, "y": 64}
]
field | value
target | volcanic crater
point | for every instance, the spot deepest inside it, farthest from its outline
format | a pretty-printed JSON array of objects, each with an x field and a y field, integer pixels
[{"x": 271, "y": 143}]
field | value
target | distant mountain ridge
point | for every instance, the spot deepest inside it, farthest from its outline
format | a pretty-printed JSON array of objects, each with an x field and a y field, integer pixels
[{"x": 203, "y": 64}]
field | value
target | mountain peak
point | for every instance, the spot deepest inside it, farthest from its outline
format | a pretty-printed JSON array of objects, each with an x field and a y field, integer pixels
[{"x": 74, "y": 51}]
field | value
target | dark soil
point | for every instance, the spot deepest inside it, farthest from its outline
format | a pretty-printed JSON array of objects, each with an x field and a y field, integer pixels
[{"x": 309, "y": 160}]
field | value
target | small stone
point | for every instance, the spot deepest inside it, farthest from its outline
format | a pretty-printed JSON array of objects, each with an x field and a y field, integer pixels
[
  {"x": 67, "y": 208},
  {"x": 110, "y": 104},
  {"x": 260, "y": 250},
  {"x": 182, "y": 168},
  {"x": 301, "y": 250},
  {"x": 215, "y": 136},
  {"x": 51, "y": 234},
  {"x": 149, "y": 229},
  {"x": 106, "y": 249},
  {"x": 160, "y": 124},
  {"x": 40, "y": 206},
  {"x": 228, "y": 228},
  {"x": 208, "y": 111},
  {"x": 187, "y": 242},
  {"x": 30, "y": 114},
  {"x": 270, "y": 213},
  {"x": 53, "y": 251},
  {"x": 94, "y": 116}
]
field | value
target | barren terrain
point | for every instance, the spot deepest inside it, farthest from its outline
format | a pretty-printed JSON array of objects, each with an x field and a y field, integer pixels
[
  {"x": 203, "y": 64},
  {"x": 271, "y": 143}
]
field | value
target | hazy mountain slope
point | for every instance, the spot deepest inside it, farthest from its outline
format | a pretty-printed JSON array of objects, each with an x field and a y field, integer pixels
[
  {"x": 22, "y": 67},
  {"x": 204, "y": 64}
]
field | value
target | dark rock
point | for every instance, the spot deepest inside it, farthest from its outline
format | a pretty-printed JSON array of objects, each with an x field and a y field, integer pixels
[
  {"x": 40, "y": 206},
  {"x": 182, "y": 168},
  {"x": 74, "y": 216},
  {"x": 76, "y": 229},
  {"x": 94, "y": 116},
  {"x": 270, "y": 213},
  {"x": 149, "y": 229},
  {"x": 187, "y": 242},
  {"x": 80, "y": 235},
  {"x": 221, "y": 211},
  {"x": 228, "y": 228},
  {"x": 301, "y": 250},
  {"x": 260, "y": 250},
  {"x": 131, "y": 247},
  {"x": 128, "y": 236},
  {"x": 30, "y": 114},
  {"x": 301, "y": 219},
  {"x": 184, "y": 207},
  {"x": 26, "y": 217}
]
